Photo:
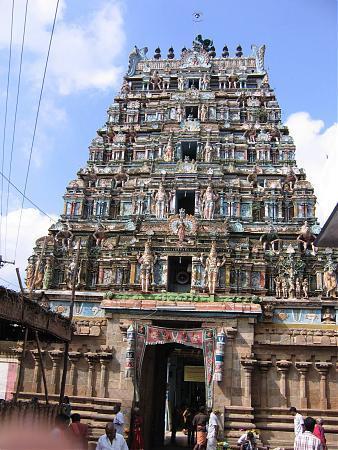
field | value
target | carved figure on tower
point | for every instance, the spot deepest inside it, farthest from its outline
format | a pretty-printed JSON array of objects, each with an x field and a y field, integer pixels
[
  {"x": 161, "y": 203},
  {"x": 205, "y": 81},
  {"x": 48, "y": 274},
  {"x": 99, "y": 234},
  {"x": 125, "y": 89},
  {"x": 29, "y": 274},
  {"x": 64, "y": 237},
  {"x": 69, "y": 274},
  {"x": 204, "y": 113},
  {"x": 330, "y": 279},
  {"x": 211, "y": 267},
  {"x": 305, "y": 288},
  {"x": 209, "y": 203},
  {"x": 169, "y": 150},
  {"x": 156, "y": 81},
  {"x": 208, "y": 151},
  {"x": 278, "y": 284},
  {"x": 306, "y": 238},
  {"x": 147, "y": 261}
]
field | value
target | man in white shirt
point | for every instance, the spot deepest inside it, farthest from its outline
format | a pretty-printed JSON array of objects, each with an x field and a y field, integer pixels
[
  {"x": 119, "y": 420},
  {"x": 297, "y": 420},
  {"x": 214, "y": 427},
  {"x": 111, "y": 440},
  {"x": 307, "y": 440}
]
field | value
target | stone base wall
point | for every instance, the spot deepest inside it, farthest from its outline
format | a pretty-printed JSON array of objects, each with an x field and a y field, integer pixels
[{"x": 267, "y": 369}]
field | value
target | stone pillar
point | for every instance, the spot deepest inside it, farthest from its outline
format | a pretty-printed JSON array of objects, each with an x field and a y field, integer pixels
[
  {"x": 323, "y": 368},
  {"x": 104, "y": 361},
  {"x": 35, "y": 380},
  {"x": 55, "y": 356},
  {"x": 264, "y": 367},
  {"x": 91, "y": 358},
  {"x": 283, "y": 367},
  {"x": 72, "y": 382},
  {"x": 248, "y": 366},
  {"x": 303, "y": 368}
]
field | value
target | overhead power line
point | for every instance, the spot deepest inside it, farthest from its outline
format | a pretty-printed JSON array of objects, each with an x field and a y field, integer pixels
[
  {"x": 35, "y": 126},
  {"x": 5, "y": 121},
  {"x": 15, "y": 117},
  {"x": 26, "y": 198}
]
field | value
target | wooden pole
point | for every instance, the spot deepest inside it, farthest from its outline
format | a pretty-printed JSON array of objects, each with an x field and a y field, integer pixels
[
  {"x": 42, "y": 366},
  {"x": 37, "y": 267},
  {"x": 71, "y": 313},
  {"x": 24, "y": 348}
]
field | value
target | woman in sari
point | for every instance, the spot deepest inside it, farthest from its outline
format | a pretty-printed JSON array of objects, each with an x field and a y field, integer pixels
[{"x": 137, "y": 431}]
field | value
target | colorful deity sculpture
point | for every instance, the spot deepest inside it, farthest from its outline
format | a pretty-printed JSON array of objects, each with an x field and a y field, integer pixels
[
  {"x": 208, "y": 203},
  {"x": 161, "y": 203},
  {"x": 211, "y": 268},
  {"x": 147, "y": 261}
]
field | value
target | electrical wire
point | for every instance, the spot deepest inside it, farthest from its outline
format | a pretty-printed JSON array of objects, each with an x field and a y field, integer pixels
[
  {"x": 35, "y": 127},
  {"x": 14, "y": 124},
  {"x": 5, "y": 121},
  {"x": 8, "y": 282},
  {"x": 26, "y": 198}
]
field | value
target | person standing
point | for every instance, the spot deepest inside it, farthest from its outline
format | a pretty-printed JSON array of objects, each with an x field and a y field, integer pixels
[
  {"x": 319, "y": 432},
  {"x": 137, "y": 431},
  {"x": 66, "y": 407},
  {"x": 214, "y": 427},
  {"x": 80, "y": 431},
  {"x": 297, "y": 420},
  {"x": 307, "y": 440},
  {"x": 200, "y": 425},
  {"x": 119, "y": 420},
  {"x": 188, "y": 418},
  {"x": 111, "y": 440}
]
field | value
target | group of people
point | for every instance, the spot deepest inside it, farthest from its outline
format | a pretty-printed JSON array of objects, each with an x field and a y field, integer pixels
[
  {"x": 70, "y": 430},
  {"x": 309, "y": 433},
  {"x": 203, "y": 429}
]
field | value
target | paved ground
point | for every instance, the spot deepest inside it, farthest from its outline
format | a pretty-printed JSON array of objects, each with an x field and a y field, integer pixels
[{"x": 181, "y": 441}]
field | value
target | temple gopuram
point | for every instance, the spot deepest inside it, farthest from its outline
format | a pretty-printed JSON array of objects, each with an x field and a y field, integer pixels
[{"x": 198, "y": 279}]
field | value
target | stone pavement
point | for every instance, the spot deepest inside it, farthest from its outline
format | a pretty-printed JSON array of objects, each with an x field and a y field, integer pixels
[{"x": 181, "y": 441}]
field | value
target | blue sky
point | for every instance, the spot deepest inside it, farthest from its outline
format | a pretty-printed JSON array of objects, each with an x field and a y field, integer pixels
[{"x": 90, "y": 54}]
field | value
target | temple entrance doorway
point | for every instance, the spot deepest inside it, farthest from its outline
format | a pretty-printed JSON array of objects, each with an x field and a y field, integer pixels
[
  {"x": 179, "y": 273},
  {"x": 172, "y": 378}
]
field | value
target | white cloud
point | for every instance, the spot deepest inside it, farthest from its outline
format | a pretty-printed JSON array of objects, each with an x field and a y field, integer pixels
[
  {"x": 33, "y": 225},
  {"x": 83, "y": 55},
  {"x": 317, "y": 153}
]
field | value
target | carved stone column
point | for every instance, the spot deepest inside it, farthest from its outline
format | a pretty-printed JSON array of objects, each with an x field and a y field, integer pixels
[
  {"x": 92, "y": 359},
  {"x": 303, "y": 368},
  {"x": 323, "y": 368},
  {"x": 248, "y": 366},
  {"x": 104, "y": 361},
  {"x": 283, "y": 367},
  {"x": 264, "y": 367},
  {"x": 229, "y": 359},
  {"x": 55, "y": 356},
  {"x": 36, "y": 372},
  {"x": 71, "y": 387}
]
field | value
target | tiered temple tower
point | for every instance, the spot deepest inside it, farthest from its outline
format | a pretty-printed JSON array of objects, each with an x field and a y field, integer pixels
[{"x": 191, "y": 213}]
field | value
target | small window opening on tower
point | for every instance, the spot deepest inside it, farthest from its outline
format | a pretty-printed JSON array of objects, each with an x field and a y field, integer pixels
[
  {"x": 194, "y": 83},
  {"x": 185, "y": 200},
  {"x": 179, "y": 273},
  {"x": 189, "y": 150},
  {"x": 191, "y": 112}
]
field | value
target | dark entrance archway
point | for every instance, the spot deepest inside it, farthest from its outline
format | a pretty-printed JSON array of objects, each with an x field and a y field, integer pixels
[
  {"x": 171, "y": 379},
  {"x": 152, "y": 347}
]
